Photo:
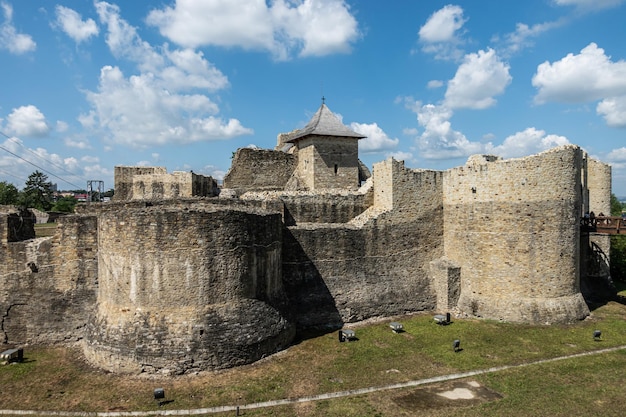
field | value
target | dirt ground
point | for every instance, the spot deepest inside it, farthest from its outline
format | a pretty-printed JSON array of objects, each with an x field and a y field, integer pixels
[{"x": 448, "y": 394}]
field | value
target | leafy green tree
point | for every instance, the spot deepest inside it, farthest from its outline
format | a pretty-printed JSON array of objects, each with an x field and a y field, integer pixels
[
  {"x": 616, "y": 206},
  {"x": 8, "y": 193},
  {"x": 618, "y": 246},
  {"x": 37, "y": 192},
  {"x": 65, "y": 205}
]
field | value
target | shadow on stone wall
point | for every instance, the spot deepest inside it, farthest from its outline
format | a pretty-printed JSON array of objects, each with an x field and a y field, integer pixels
[
  {"x": 312, "y": 305},
  {"x": 596, "y": 284}
]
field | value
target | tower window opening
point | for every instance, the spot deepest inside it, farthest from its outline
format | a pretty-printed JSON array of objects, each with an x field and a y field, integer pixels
[{"x": 336, "y": 167}]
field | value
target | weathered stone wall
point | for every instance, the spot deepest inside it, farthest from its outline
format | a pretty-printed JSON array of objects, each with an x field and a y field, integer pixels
[
  {"x": 513, "y": 228},
  {"x": 376, "y": 265},
  {"x": 16, "y": 226},
  {"x": 306, "y": 207},
  {"x": 259, "y": 170},
  {"x": 327, "y": 162},
  {"x": 192, "y": 289},
  {"x": 47, "y": 285},
  {"x": 124, "y": 179},
  {"x": 599, "y": 186},
  {"x": 595, "y": 248},
  {"x": 178, "y": 184}
]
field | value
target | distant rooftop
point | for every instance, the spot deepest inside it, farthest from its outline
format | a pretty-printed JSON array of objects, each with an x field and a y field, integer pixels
[{"x": 324, "y": 123}]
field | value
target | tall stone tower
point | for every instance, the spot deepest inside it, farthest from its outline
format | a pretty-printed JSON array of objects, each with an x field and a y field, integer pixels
[{"x": 328, "y": 153}]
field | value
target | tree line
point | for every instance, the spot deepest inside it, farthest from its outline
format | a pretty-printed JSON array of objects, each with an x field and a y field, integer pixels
[{"x": 38, "y": 193}]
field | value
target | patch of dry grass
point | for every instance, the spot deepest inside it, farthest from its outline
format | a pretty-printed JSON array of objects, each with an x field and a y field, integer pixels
[{"x": 55, "y": 378}]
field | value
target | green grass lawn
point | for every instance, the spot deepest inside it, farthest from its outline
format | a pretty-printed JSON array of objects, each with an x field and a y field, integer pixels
[
  {"x": 45, "y": 229},
  {"x": 58, "y": 379}
]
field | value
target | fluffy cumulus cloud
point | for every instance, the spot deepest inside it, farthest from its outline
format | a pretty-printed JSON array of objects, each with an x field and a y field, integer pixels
[
  {"x": 27, "y": 121},
  {"x": 585, "y": 77},
  {"x": 438, "y": 139},
  {"x": 613, "y": 110},
  {"x": 166, "y": 102},
  {"x": 477, "y": 80},
  {"x": 440, "y": 35},
  {"x": 376, "y": 140},
  {"x": 282, "y": 27},
  {"x": 123, "y": 40},
  {"x": 527, "y": 142},
  {"x": 10, "y": 39},
  {"x": 70, "y": 22}
]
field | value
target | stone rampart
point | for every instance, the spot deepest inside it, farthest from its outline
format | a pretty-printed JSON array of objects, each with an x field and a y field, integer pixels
[
  {"x": 124, "y": 179},
  {"x": 320, "y": 207},
  {"x": 376, "y": 265},
  {"x": 259, "y": 170},
  {"x": 190, "y": 289},
  {"x": 154, "y": 183},
  {"x": 174, "y": 285},
  {"x": 512, "y": 226},
  {"x": 47, "y": 285}
]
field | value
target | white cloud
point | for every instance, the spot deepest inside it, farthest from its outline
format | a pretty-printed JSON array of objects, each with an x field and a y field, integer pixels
[
  {"x": 440, "y": 34},
  {"x": 480, "y": 77},
  {"x": 213, "y": 171},
  {"x": 27, "y": 121},
  {"x": 72, "y": 24},
  {"x": 77, "y": 143},
  {"x": 87, "y": 120},
  {"x": 61, "y": 126},
  {"x": 400, "y": 156},
  {"x": 528, "y": 142},
  {"x": 439, "y": 140},
  {"x": 376, "y": 140},
  {"x": 432, "y": 84},
  {"x": 66, "y": 172},
  {"x": 524, "y": 35},
  {"x": 617, "y": 157},
  {"x": 166, "y": 102},
  {"x": 139, "y": 112},
  {"x": 613, "y": 110},
  {"x": 589, "y": 4},
  {"x": 442, "y": 25},
  {"x": 123, "y": 40},
  {"x": 90, "y": 159},
  {"x": 588, "y": 76},
  {"x": 16, "y": 43},
  {"x": 191, "y": 70},
  {"x": 284, "y": 27}
]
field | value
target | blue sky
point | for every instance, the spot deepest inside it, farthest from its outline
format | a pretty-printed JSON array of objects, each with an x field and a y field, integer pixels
[{"x": 87, "y": 85}]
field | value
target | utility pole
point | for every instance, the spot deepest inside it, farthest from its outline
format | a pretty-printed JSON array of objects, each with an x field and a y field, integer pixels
[{"x": 95, "y": 193}]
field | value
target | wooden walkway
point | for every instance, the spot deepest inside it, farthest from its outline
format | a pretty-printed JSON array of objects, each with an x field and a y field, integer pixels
[{"x": 607, "y": 225}]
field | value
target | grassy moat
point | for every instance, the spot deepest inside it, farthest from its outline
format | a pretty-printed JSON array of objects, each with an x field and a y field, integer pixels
[{"x": 53, "y": 378}]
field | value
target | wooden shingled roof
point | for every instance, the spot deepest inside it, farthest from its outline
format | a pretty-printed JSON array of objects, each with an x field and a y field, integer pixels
[{"x": 324, "y": 123}]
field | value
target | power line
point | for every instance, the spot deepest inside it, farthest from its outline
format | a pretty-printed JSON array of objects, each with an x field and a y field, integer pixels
[
  {"x": 37, "y": 155},
  {"x": 11, "y": 175},
  {"x": 37, "y": 166}
]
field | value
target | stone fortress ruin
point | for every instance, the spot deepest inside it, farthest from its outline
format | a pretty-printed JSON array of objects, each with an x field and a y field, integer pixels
[{"x": 177, "y": 275}]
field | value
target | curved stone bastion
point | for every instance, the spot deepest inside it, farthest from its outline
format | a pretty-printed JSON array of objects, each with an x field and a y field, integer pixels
[{"x": 187, "y": 288}]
